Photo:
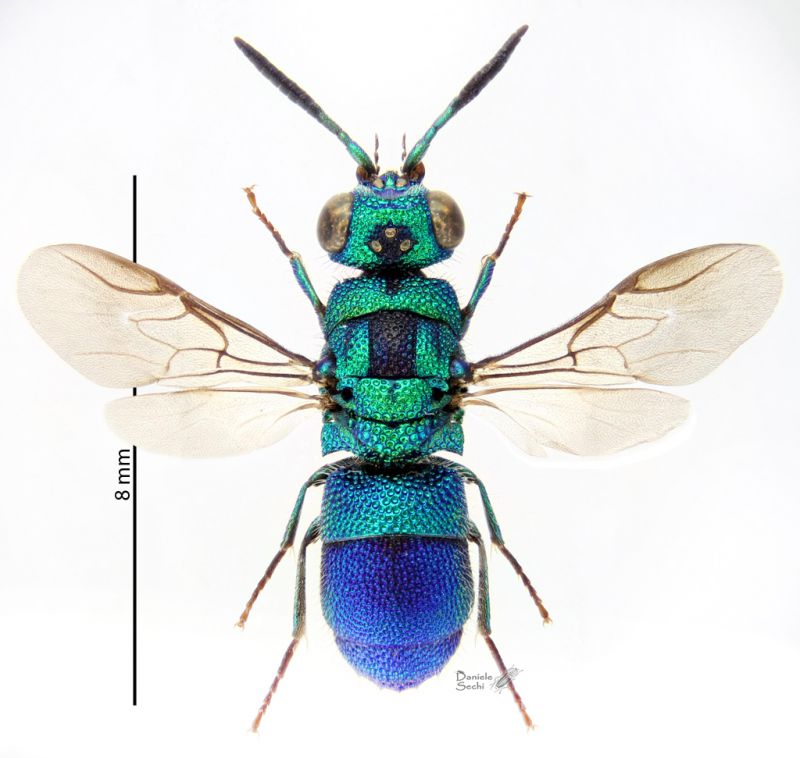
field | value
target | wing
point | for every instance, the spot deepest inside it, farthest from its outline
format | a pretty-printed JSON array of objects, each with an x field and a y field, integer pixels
[
  {"x": 205, "y": 423},
  {"x": 669, "y": 323},
  {"x": 123, "y": 325},
  {"x": 580, "y": 420}
]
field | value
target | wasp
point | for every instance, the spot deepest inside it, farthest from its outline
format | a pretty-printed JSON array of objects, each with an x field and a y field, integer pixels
[{"x": 392, "y": 386}]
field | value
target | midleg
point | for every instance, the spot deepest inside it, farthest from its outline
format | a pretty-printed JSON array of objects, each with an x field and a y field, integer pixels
[
  {"x": 299, "y": 626},
  {"x": 484, "y": 626},
  {"x": 295, "y": 260},
  {"x": 488, "y": 264},
  {"x": 317, "y": 478},
  {"x": 497, "y": 539}
]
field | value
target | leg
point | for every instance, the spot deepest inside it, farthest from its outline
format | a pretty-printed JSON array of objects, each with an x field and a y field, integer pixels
[
  {"x": 497, "y": 539},
  {"x": 317, "y": 478},
  {"x": 483, "y": 621},
  {"x": 487, "y": 265},
  {"x": 299, "y": 269},
  {"x": 299, "y": 619}
]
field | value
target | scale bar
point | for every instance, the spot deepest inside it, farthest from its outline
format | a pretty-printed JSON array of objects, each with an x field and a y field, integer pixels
[{"x": 134, "y": 525}]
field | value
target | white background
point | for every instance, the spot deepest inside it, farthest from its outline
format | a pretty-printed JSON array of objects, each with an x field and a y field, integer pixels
[{"x": 640, "y": 129}]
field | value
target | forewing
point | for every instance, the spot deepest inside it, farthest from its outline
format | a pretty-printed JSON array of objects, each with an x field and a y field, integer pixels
[
  {"x": 205, "y": 423},
  {"x": 580, "y": 420},
  {"x": 123, "y": 325},
  {"x": 669, "y": 323}
]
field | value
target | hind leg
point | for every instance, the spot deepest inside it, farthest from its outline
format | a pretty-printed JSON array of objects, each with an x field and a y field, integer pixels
[
  {"x": 299, "y": 619},
  {"x": 484, "y": 626}
]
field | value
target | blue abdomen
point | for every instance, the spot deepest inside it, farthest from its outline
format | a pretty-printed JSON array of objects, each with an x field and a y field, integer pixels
[
  {"x": 396, "y": 579},
  {"x": 397, "y": 604}
]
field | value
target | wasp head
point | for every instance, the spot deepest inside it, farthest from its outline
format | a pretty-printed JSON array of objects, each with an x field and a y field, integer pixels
[{"x": 390, "y": 222}]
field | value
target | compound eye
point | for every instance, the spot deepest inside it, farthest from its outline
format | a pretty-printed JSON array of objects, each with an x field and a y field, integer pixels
[
  {"x": 448, "y": 222},
  {"x": 334, "y": 222}
]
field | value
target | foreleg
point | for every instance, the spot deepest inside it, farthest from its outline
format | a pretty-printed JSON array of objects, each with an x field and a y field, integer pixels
[
  {"x": 488, "y": 264},
  {"x": 295, "y": 260}
]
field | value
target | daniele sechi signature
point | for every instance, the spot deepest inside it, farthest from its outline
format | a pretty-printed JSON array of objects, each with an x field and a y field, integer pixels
[{"x": 485, "y": 681}]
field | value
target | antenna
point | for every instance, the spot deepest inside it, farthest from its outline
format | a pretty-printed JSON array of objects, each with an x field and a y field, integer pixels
[
  {"x": 467, "y": 94},
  {"x": 298, "y": 95}
]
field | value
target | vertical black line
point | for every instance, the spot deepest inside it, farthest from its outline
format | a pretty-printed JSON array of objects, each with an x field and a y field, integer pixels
[
  {"x": 134, "y": 221},
  {"x": 134, "y": 524}
]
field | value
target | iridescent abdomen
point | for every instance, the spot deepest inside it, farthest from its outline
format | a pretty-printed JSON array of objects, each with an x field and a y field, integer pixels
[{"x": 396, "y": 580}]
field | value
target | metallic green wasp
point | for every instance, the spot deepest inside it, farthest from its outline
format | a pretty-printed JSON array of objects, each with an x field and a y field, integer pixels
[{"x": 392, "y": 386}]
